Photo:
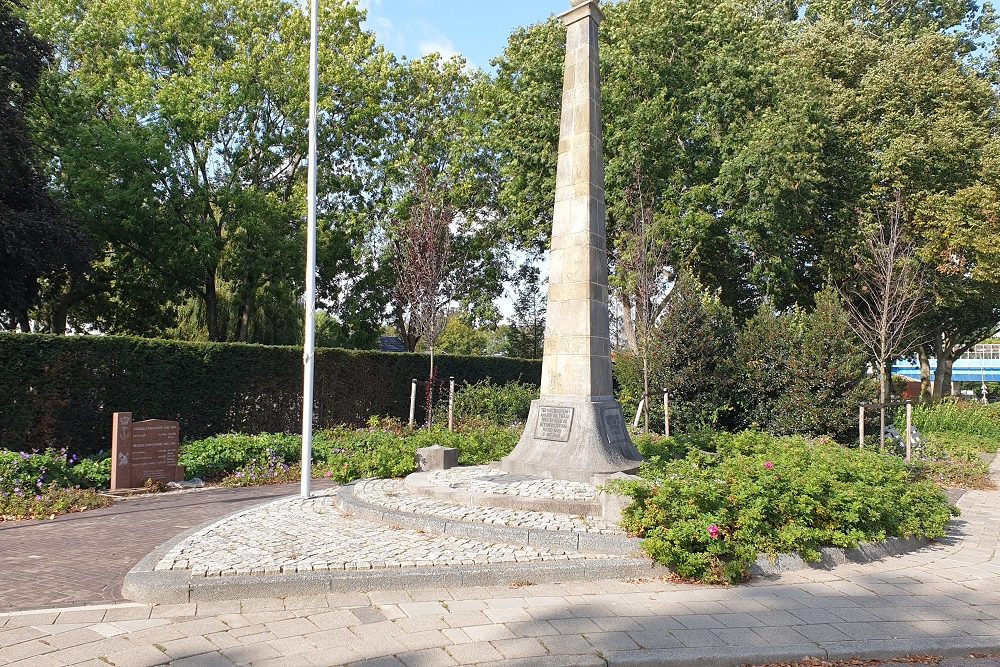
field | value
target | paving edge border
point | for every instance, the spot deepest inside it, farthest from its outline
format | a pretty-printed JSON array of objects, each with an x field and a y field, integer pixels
[
  {"x": 144, "y": 583},
  {"x": 590, "y": 543},
  {"x": 831, "y": 557},
  {"x": 731, "y": 656}
]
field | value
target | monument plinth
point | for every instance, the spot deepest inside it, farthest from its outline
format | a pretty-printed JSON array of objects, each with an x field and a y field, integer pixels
[{"x": 576, "y": 429}]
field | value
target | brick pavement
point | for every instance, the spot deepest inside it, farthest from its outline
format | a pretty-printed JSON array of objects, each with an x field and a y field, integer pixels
[{"x": 82, "y": 558}]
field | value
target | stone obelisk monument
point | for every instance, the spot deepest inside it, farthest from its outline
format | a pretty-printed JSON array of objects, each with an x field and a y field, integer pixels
[{"x": 576, "y": 429}]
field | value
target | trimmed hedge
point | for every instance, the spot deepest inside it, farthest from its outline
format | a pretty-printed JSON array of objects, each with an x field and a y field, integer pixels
[{"x": 60, "y": 391}]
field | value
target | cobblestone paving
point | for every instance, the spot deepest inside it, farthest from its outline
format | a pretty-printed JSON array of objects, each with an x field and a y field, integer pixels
[
  {"x": 393, "y": 494},
  {"x": 483, "y": 479},
  {"x": 296, "y": 535}
]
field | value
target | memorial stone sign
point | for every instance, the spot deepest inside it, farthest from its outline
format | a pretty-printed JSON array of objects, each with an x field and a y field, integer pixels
[
  {"x": 144, "y": 450},
  {"x": 554, "y": 423}
]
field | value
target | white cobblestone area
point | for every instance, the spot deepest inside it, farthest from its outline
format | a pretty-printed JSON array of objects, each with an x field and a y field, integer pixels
[
  {"x": 393, "y": 494},
  {"x": 294, "y": 535},
  {"x": 483, "y": 479}
]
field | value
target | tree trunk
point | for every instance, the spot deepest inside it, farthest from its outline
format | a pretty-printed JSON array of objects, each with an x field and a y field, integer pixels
[
  {"x": 246, "y": 312},
  {"x": 629, "y": 324},
  {"x": 212, "y": 308},
  {"x": 883, "y": 399},
  {"x": 926, "y": 389},
  {"x": 645, "y": 388},
  {"x": 942, "y": 379},
  {"x": 23, "y": 321}
]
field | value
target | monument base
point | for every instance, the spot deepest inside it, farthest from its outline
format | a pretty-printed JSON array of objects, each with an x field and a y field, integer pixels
[{"x": 573, "y": 439}]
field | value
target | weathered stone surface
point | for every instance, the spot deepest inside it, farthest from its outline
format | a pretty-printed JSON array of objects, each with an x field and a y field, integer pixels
[
  {"x": 436, "y": 458},
  {"x": 577, "y": 429}
]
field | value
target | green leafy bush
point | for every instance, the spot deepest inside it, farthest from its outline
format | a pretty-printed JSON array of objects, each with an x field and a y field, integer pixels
[
  {"x": 49, "y": 502},
  {"x": 271, "y": 469},
  {"x": 21, "y": 472},
  {"x": 483, "y": 402},
  {"x": 212, "y": 458},
  {"x": 384, "y": 449},
  {"x": 43, "y": 484},
  {"x": 710, "y": 514},
  {"x": 368, "y": 453},
  {"x": 93, "y": 472}
]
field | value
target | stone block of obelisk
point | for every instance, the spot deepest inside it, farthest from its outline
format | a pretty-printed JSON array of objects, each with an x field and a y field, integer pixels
[{"x": 576, "y": 429}]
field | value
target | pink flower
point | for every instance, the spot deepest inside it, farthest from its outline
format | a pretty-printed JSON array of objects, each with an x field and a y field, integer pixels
[
  {"x": 713, "y": 531},
  {"x": 769, "y": 465},
  {"x": 328, "y": 474}
]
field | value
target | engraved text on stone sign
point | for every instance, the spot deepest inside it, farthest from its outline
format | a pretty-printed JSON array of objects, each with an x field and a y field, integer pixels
[{"x": 554, "y": 423}]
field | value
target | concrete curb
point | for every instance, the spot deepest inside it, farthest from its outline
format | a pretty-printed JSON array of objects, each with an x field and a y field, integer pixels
[
  {"x": 731, "y": 656},
  {"x": 831, "y": 557},
  {"x": 589, "y": 543},
  {"x": 417, "y": 483}
]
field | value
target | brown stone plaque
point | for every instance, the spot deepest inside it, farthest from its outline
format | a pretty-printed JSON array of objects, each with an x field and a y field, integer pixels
[
  {"x": 554, "y": 423},
  {"x": 144, "y": 450}
]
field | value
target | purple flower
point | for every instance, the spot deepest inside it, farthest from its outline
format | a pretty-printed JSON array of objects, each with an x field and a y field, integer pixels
[
  {"x": 769, "y": 465},
  {"x": 38, "y": 497},
  {"x": 713, "y": 531}
]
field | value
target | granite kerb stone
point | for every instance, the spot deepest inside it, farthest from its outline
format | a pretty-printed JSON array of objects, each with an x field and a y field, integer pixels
[
  {"x": 831, "y": 557},
  {"x": 591, "y": 543},
  {"x": 737, "y": 656}
]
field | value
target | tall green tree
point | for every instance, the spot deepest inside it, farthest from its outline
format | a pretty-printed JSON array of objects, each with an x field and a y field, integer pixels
[
  {"x": 37, "y": 238},
  {"x": 179, "y": 130}
]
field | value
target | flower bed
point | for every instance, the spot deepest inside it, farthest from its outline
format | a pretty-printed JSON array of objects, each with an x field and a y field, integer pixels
[
  {"x": 730, "y": 498},
  {"x": 44, "y": 484}
]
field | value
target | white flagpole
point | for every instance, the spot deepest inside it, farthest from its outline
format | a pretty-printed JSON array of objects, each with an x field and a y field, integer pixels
[{"x": 309, "y": 351}]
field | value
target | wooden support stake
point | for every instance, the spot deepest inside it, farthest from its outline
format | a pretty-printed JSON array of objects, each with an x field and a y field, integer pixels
[
  {"x": 666, "y": 412},
  {"x": 413, "y": 402},
  {"x": 451, "y": 403},
  {"x": 861, "y": 426},
  {"x": 638, "y": 413},
  {"x": 909, "y": 430}
]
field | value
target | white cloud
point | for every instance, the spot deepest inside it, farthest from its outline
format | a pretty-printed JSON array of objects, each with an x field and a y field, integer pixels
[
  {"x": 442, "y": 45},
  {"x": 414, "y": 37}
]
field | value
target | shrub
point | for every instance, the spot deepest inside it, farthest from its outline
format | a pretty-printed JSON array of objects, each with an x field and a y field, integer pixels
[
  {"x": 48, "y": 502},
  {"x": 43, "y": 484},
  {"x": 271, "y": 469},
  {"x": 710, "y": 514},
  {"x": 368, "y": 453},
  {"x": 61, "y": 390},
  {"x": 802, "y": 372},
  {"x": 93, "y": 473},
  {"x": 212, "y": 458},
  {"x": 483, "y": 402},
  {"x": 385, "y": 449},
  {"x": 690, "y": 355}
]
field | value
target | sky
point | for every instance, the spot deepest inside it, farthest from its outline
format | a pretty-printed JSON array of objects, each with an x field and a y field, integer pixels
[{"x": 475, "y": 29}]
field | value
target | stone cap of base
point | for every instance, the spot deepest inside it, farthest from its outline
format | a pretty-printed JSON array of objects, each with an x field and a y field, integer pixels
[{"x": 582, "y": 9}]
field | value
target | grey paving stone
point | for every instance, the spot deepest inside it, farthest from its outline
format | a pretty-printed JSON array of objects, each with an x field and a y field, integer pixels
[{"x": 474, "y": 653}]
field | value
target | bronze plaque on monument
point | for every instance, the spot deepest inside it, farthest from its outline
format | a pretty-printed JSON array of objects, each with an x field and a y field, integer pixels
[
  {"x": 554, "y": 423},
  {"x": 144, "y": 450}
]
